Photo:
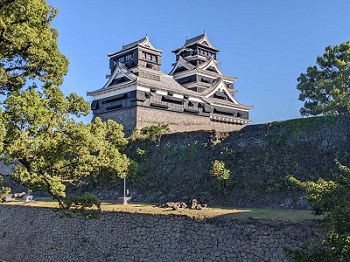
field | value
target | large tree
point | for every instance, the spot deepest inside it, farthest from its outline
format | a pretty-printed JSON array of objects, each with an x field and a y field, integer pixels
[
  {"x": 38, "y": 124},
  {"x": 28, "y": 45},
  {"x": 52, "y": 148},
  {"x": 325, "y": 87},
  {"x": 330, "y": 199}
]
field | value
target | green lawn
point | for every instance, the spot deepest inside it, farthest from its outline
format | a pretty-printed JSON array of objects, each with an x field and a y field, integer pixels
[{"x": 208, "y": 213}]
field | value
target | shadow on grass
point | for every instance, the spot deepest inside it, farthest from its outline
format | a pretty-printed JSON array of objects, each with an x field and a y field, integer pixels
[{"x": 212, "y": 213}]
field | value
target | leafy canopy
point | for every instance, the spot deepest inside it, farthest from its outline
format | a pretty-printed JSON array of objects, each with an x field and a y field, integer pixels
[
  {"x": 325, "y": 87},
  {"x": 28, "y": 45},
  {"x": 38, "y": 129},
  {"x": 331, "y": 199},
  {"x": 52, "y": 148}
]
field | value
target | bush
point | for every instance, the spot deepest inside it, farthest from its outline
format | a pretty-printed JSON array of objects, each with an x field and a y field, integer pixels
[
  {"x": 330, "y": 199},
  {"x": 154, "y": 133},
  {"x": 4, "y": 191},
  {"x": 220, "y": 171},
  {"x": 87, "y": 205}
]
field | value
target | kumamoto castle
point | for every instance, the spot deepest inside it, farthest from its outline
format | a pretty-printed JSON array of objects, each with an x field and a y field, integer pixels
[{"x": 195, "y": 95}]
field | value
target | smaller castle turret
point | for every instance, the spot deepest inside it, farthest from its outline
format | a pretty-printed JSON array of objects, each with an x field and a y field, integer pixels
[
  {"x": 136, "y": 56},
  {"x": 197, "y": 67}
]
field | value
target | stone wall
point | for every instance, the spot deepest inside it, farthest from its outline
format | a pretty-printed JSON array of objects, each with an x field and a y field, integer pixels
[
  {"x": 141, "y": 116},
  {"x": 39, "y": 234},
  {"x": 180, "y": 122},
  {"x": 126, "y": 117},
  {"x": 260, "y": 159}
]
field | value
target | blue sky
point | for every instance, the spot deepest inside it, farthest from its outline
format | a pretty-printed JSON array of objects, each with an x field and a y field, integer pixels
[{"x": 266, "y": 44}]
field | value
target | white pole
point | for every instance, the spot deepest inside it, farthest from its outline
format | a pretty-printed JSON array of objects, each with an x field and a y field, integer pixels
[{"x": 125, "y": 201}]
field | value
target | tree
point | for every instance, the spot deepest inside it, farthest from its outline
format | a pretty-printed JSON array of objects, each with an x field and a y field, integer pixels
[
  {"x": 52, "y": 148},
  {"x": 325, "y": 87},
  {"x": 28, "y": 45},
  {"x": 38, "y": 129},
  {"x": 332, "y": 200}
]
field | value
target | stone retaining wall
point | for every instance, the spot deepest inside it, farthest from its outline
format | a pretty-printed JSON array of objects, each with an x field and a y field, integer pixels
[
  {"x": 39, "y": 234},
  {"x": 260, "y": 159}
]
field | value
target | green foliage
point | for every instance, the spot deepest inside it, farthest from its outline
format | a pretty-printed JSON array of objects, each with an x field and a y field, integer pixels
[
  {"x": 218, "y": 137},
  {"x": 38, "y": 127},
  {"x": 28, "y": 45},
  {"x": 4, "y": 191},
  {"x": 154, "y": 133},
  {"x": 329, "y": 198},
  {"x": 325, "y": 87},
  {"x": 52, "y": 147},
  {"x": 219, "y": 170},
  {"x": 87, "y": 205}
]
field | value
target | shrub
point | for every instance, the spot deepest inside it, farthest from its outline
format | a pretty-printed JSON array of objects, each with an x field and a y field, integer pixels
[
  {"x": 154, "y": 133},
  {"x": 87, "y": 205},
  {"x": 330, "y": 199},
  {"x": 4, "y": 191},
  {"x": 220, "y": 171}
]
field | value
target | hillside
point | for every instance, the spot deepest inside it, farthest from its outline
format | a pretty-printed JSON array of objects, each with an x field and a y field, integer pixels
[{"x": 260, "y": 157}]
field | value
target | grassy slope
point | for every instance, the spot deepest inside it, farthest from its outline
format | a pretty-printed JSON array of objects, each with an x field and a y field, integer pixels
[{"x": 208, "y": 213}]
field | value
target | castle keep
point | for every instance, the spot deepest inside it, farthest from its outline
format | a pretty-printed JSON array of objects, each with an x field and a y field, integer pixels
[{"x": 195, "y": 95}]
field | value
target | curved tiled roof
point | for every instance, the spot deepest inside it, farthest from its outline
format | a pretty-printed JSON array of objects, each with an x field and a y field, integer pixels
[
  {"x": 167, "y": 83},
  {"x": 197, "y": 39},
  {"x": 194, "y": 39},
  {"x": 136, "y": 43}
]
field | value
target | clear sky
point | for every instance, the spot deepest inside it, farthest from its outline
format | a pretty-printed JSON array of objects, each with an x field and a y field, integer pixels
[{"x": 266, "y": 44}]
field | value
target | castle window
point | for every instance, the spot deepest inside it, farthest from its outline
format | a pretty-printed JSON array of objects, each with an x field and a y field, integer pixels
[
  {"x": 212, "y": 69},
  {"x": 115, "y": 98},
  {"x": 110, "y": 108},
  {"x": 94, "y": 105},
  {"x": 186, "y": 80},
  {"x": 150, "y": 57},
  {"x": 171, "y": 99},
  {"x": 204, "y": 80},
  {"x": 148, "y": 65},
  {"x": 220, "y": 95},
  {"x": 129, "y": 57}
]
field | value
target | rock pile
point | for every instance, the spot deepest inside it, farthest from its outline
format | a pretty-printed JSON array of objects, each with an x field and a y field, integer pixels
[{"x": 191, "y": 204}]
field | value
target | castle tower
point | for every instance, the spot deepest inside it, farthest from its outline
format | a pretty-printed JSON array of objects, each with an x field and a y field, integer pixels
[
  {"x": 195, "y": 96},
  {"x": 197, "y": 67}
]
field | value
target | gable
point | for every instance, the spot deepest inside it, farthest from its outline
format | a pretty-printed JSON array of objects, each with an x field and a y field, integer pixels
[
  {"x": 211, "y": 66},
  {"x": 212, "y": 69},
  {"x": 221, "y": 92},
  {"x": 147, "y": 43},
  {"x": 205, "y": 43},
  {"x": 220, "y": 95},
  {"x": 181, "y": 65},
  {"x": 120, "y": 75}
]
